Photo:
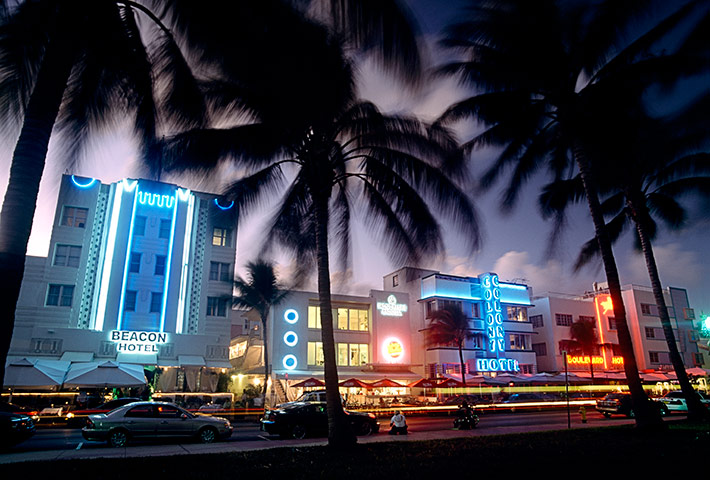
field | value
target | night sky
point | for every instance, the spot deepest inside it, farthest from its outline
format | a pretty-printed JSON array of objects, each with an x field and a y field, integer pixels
[{"x": 514, "y": 245}]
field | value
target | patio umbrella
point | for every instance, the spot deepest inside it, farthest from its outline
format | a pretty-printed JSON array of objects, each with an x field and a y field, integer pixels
[
  {"x": 424, "y": 383},
  {"x": 354, "y": 382},
  {"x": 39, "y": 374},
  {"x": 697, "y": 372},
  {"x": 105, "y": 374},
  {"x": 449, "y": 383},
  {"x": 310, "y": 382},
  {"x": 386, "y": 382}
]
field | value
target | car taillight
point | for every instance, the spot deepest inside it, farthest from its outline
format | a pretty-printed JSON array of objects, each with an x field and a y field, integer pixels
[{"x": 371, "y": 415}]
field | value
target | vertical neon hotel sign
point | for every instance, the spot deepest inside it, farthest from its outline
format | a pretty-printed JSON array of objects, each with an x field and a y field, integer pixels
[{"x": 495, "y": 331}]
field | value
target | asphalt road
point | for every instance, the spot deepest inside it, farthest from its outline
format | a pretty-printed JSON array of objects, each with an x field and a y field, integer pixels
[{"x": 56, "y": 443}]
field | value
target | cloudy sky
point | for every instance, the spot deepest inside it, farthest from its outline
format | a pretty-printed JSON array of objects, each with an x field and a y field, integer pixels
[{"x": 514, "y": 245}]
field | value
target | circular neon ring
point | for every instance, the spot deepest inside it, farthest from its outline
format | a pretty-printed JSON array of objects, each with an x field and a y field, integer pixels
[
  {"x": 216, "y": 202},
  {"x": 290, "y": 362},
  {"x": 82, "y": 185},
  {"x": 291, "y": 316},
  {"x": 290, "y": 338}
]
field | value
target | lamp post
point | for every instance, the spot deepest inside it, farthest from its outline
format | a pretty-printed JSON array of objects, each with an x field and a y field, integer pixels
[{"x": 569, "y": 421}]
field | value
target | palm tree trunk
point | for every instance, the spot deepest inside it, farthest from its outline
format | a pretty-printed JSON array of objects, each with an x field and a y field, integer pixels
[
  {"x": 696, "y": 410},
  {"x": 266, "y": 357},
  {"x": 339, "y": 433},
  {"x": 646, "y": 416},
  {"x": 463, "y": 372},
  {"x": 20, "y": 201}
]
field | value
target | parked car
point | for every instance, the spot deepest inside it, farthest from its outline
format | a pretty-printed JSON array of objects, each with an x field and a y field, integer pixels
[
  {"x": 675, "y": 401},
  {"x": 77, "y": 418},
  {"x": 14, "y": 427},
  {"x": 302, "y": 419},
  {"x": 316, "y": 396},
  {"x": 620, "y": 404},
  {"x": 153, "y": 420}
]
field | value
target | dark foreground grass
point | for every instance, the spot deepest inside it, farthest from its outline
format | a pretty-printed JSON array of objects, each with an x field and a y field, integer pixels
[{"x": 609, "y": 452}]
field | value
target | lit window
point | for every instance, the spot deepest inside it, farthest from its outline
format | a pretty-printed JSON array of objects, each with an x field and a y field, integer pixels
[
  {"x": 67, "y": 256},
  {"x": 517, "y": 314},
  {"x": 60, "y": 295},
  {"x": 353, "y": 319},
  {"x": 315, "y": 353},
  {"x": 165, "y": 226},
  {"x": 135, "y": 263},
  {"x": 156, "y": 302},
  {"x": 220, "y": 237},
  {"x": 159, "y": 265},
  {"x": 74, "y": 217},
  {"x": 342, "y": 349},
  {"x": 139, "y": 226},
  {"x": 314, "y": 316},
  {"x": 517, "y": 342},
  {"x": 129, "y": 301}
]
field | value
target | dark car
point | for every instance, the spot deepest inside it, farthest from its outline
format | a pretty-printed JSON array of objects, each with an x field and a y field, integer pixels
[
  {"x": 77, "y": 418},
  {"x": 299, "y": 420},
  {"x": 620, "y": 404},
  {"x": 153, "y": 420},
  {"x": 14, "y": 427}
]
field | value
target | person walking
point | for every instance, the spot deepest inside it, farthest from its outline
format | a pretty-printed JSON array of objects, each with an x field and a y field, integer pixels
[{"x": 398, "y": 424}]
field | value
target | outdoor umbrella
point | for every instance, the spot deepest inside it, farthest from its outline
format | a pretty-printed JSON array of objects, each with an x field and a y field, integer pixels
[
  {"x": 424, "y": 383},
  {"x": 42, "y": 374},
  {"x": 105, "y": 374},
  {"x": 449, "y": 383},
  {"x": 310, "y": 382},
  {"x": 697, "y": 372},
  {"x": 386, "y": 382},
  {"x": 354, "y": 382}
]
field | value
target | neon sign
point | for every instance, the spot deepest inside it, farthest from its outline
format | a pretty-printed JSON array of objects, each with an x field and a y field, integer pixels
[
  {"x": 216, "y": 202},
  {"x": 391, "y": 308},
  {"x": 497, "y": 365},
  {"x": 290, "y": 361},
  {"x": 86, "y": 183},
  {"x": 137, "y": 342},
  {"x": 392, "y": 349},
  {"x": 493, "y": 313},
  {"x": 594, "y": 360},
  {"x": 291, "y": 316},
  {"x": 290, "y": 338},
  {"x": 154, "y": 199}
]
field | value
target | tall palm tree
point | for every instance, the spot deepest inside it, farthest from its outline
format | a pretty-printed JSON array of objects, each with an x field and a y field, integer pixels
[
  {"x": 583, "y": 337},
  {"x": 659, "y": 166},
  {"x": 541, "y": 68},
  {"x": 77, "y": 64},
  {"x": 449, "y": 326},
  {"x": 334, "y": 153},
  {"x": 260, "y": 291}
]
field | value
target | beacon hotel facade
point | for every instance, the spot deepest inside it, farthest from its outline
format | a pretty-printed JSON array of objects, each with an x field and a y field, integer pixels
[
  {"x": 138, "y": 272},
  {"x": 382, "y": 335}
]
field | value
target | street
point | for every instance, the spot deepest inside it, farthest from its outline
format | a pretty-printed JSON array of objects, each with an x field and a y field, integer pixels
[{"x": 52, "y": 443}]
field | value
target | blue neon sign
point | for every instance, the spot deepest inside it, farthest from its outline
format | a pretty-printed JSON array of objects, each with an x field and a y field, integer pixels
[
  {"x": 231, "y": 204},
  {"x": 493, "y": 311},
  {"x": 84, "y": 182},
  {"x": 157, "y": 200}
]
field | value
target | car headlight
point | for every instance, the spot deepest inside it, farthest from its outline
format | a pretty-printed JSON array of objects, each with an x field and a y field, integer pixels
[{"x": 70, "y": 415}]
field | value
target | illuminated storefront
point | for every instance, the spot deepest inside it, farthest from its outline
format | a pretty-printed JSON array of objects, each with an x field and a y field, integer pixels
[{"x": 138, "y": 272}]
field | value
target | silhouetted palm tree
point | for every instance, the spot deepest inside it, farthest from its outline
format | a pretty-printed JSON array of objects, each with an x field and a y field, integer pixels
[
  {"x": 655, "y": 165},
  {"x": 260, "y": 291},
  {"x": 541, "y": 68},
  {"x": 449, "y": 326},
  {"x": 77, "y": 64},
  {"x": 583, "y": 338}
]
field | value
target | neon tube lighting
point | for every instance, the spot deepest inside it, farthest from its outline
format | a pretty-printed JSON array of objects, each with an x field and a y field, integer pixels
[
  {"x": 169, "y": 266},
  {"x": 216, "y": 202},
  {"x": 119, "y": 322},
  {"x": 108, "y": 258},
  {"x": 182, "y": 297},
  {"x": 83, "y": 185}
]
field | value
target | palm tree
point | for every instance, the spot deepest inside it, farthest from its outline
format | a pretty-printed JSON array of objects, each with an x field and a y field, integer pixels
[
  {"x": 583, "y": 338},
  {"x": 449, "y": 326},
  {"x": 661, "y": 167},
  {"x": 334, "y": 153},
  {"x": 76, "y": 64},
  {"x": 260, "y": 291},
  {"x": 541, "y": 69}
]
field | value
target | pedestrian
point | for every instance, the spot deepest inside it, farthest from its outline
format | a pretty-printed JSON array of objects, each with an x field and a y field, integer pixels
[{"x": 398, "y": 424}]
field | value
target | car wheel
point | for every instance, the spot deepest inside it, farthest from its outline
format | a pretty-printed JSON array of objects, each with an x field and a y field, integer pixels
[
  {"x": 207, "y": 435},
  {"x": 118, "y": 438},
  {"x": 664, "y": 410},
  {"x": 299, "y": 432},
  {"x": 365, "y": 429}
]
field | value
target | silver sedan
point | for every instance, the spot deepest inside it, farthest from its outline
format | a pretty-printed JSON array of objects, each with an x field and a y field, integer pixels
[{"x": 153, "y": 420}]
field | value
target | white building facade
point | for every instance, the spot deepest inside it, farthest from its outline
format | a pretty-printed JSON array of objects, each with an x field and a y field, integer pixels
[{"x": 138, "y": 272}]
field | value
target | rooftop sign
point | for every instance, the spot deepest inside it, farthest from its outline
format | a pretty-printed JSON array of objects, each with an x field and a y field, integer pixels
[{"x": 391, "y": 308}]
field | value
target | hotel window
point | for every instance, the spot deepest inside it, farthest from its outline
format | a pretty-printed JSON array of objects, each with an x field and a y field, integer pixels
[
  {"x": 476, "y": 310},
  {"x": 517, "y": 314},
  {"x": 135, "y": 263},
  {"x": 698, "y": 359},
  {"x": 342, "y": 352},
  {"x": 313, "y": 316},
  {"x": 455, "y": 304},
  {"x": 60, "y": 295},
  {"x": 220, "y": 272},
  {"x": 159, "y": 265},
  {"x": 74, "y": 217},
  {"x": 358, "y": 354},
  {"x": 395, "y": 280},
  {"x": 220, "y": 237},
  {"x": 67, "y": 256},
  {"x": 540, "y": 349},
  {"x": 517, "y": 342},
  {"x": 430, "y": 307},
  {"x": 654, "y": 357},
  {"x": 563, "y": 319},
  {"x": 649, "y": 309},
  {"x": 216, "y": 307},
  {"x": 688, "y": 313},
  {"x": 129, "y": 301},
  {"x": 315, "y": 353},
  {"x": 588, "y": 318},
  {"x": 165, "y": 227},
  {"x": 139, "y": 225},
  {"x": 156, "y": 302},
  {"x": 353, "y": 319},
  {"x": 536, "y": 321},
  {"x": 612, "y": 323}
]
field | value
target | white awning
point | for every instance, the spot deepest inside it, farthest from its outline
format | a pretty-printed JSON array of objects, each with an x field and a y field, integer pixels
[
  {"x": 138, "y": 358},
  {"x": 77, "y": 356},
  {"x": 35, "y": 373},
  {"x": 218, "y": 364},
  {"x": 105, "y": 374},
  {"x": 191, "y": 361}
]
